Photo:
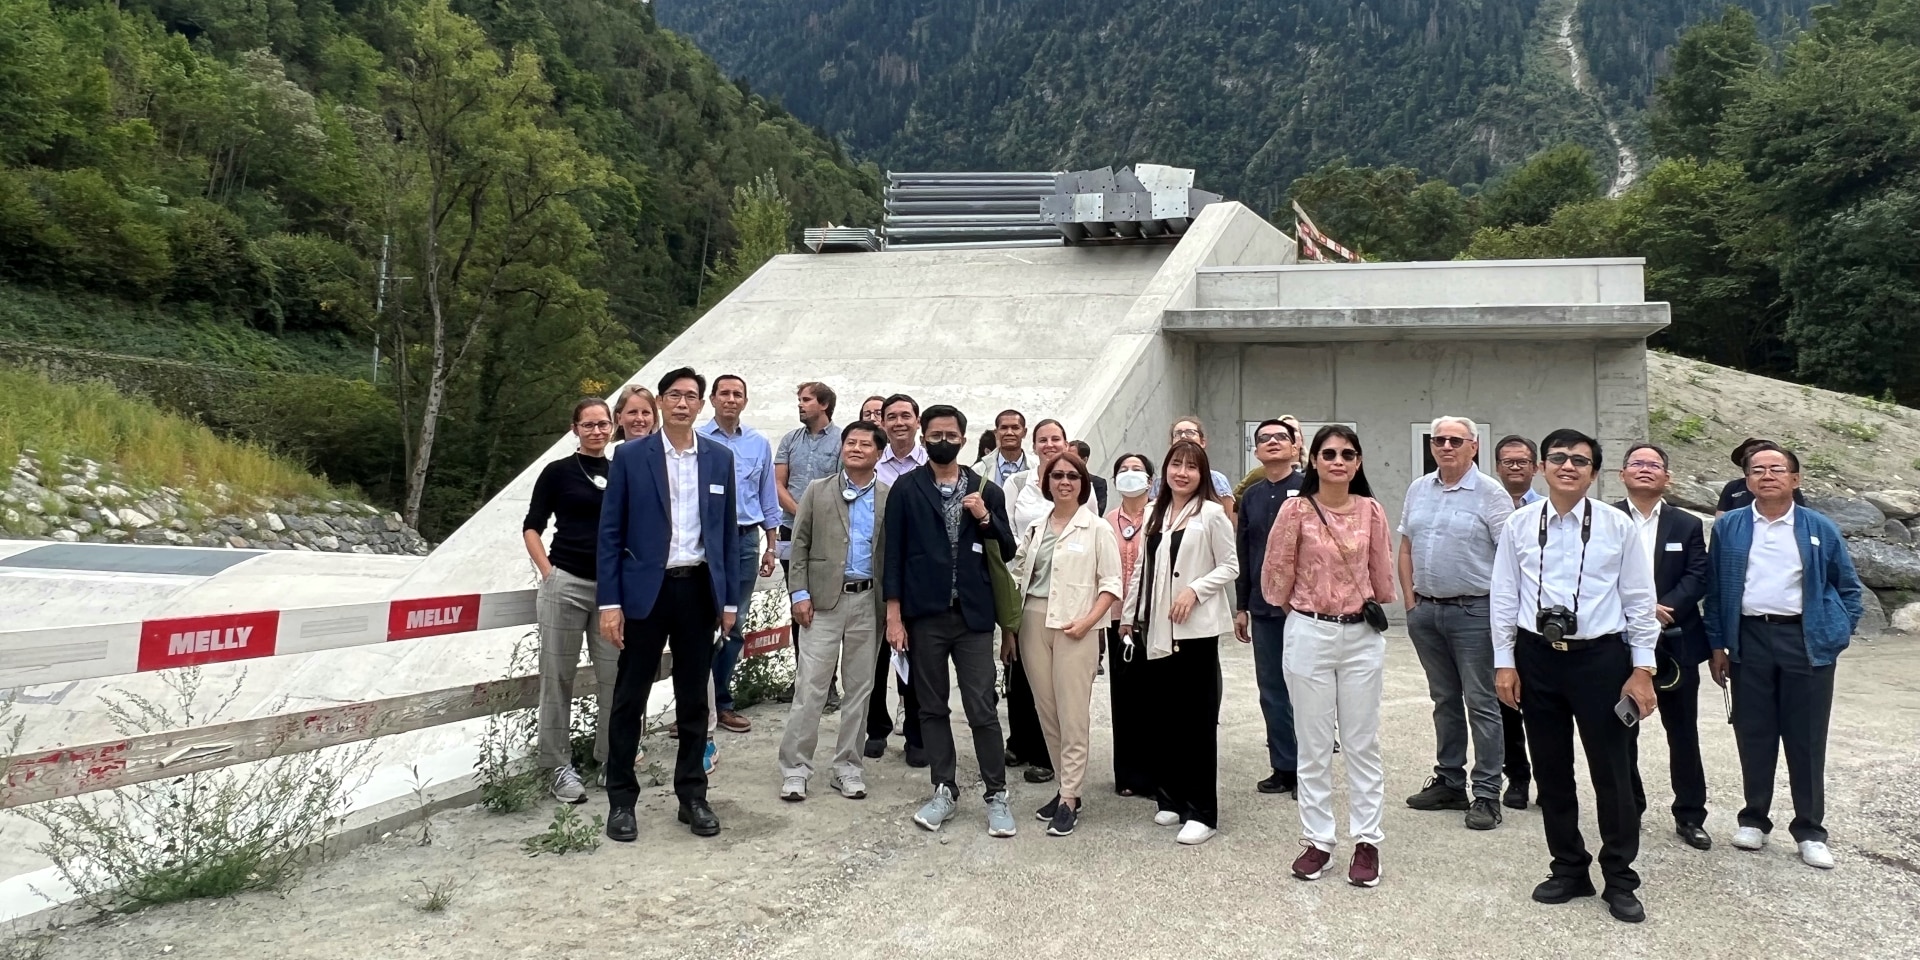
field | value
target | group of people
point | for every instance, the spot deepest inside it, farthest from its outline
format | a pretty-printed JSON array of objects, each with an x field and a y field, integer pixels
[{"x": 1534, "y": 617}]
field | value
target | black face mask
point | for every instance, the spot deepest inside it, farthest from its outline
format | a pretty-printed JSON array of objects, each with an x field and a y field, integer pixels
[{"x": 943, "y": 452}]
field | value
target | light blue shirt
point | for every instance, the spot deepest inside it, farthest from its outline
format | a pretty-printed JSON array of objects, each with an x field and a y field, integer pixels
[
  {"x": 757, "y": 497},
  {"x": 859, "y": 530},
  {"x": 1530, "y": 497}
]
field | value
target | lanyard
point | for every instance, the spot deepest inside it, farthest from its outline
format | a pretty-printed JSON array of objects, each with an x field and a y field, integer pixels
[{"x": 1540, "y": 584}]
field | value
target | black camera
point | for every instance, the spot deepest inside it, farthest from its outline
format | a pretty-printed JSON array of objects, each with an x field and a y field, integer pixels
[{"x": 1556, "y": 623}]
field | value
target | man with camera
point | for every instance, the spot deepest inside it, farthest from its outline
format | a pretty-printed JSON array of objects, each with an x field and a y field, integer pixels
[
  {"x": 1573, "y": 645},
  {"x": 1676, "y": 548}
]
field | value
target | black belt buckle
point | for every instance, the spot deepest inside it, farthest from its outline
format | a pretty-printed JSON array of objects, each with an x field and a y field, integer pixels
[
  {"x": 681, "y": 573},
  {"x": 857, "y": 586},
  {"x": 1449, "y": 601}
]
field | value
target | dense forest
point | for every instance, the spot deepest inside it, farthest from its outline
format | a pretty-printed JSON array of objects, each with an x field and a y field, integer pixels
[
  {"x": 1251, "y": 93},
  {"x": 219, "y": 180}
]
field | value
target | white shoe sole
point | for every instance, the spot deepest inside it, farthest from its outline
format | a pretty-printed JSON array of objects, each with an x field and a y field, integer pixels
[
  {"x": 924, "y": 825},
  {"x": 1166, "y": 818},
  {"x": 1194, "y": 841},
  {"x": 1008, "y": 832},
  {"x": 857, "y": 793},
  {"x": 573, "y": 800}
]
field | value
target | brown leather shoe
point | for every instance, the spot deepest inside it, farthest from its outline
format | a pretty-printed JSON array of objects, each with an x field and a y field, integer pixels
[{"x": 734, "y": 722}]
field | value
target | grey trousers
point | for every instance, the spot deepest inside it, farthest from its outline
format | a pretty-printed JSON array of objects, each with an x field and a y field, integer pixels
[
  {"x": 844, "y": 639},
  {"x": 932, "y": 642},
  {"x": 566, "y": 610},
  {"x": 1455, "y": 644}
]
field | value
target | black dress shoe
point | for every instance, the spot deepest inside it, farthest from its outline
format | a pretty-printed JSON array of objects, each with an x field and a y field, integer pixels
[
  {"x": 916, "y": 756},
  {"x": 1624, "y": 906},
  {"x": 876, "y": 748},
  {"x": 1516, "y": 796},
  {"x": 1695, "y": 837},
  {"x": 1562, "y": 889},
  {"x": 1278, "y": 783},
  {"x": 1014, "y": 759},
  {"x": 1038, "y": 774},
  {"x": 621, "y": 826},
  {"x": 699, "y": 816}
]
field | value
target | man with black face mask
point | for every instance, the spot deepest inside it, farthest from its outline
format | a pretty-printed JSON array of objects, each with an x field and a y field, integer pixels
[{"x": 940, "y": 607}]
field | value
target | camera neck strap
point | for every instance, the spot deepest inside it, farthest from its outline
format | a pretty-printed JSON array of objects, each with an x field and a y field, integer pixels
[{"x": 1586, "y": 534}]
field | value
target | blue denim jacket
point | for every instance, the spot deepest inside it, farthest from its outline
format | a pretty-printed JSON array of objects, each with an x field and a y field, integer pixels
[{"x": 1830, "y": 599}]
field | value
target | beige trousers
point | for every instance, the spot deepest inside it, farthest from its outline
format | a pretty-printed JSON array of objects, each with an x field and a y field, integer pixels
[{"x": 1060, "y": 669}]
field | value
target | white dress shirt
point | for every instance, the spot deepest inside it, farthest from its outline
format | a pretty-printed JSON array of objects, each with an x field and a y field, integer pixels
[
  {"x": 1614, "y": 592},
  {"x": 1773, "y": 567},
  {"x": 684, "y": 548},
  {"x": 1649, "y": 527}
]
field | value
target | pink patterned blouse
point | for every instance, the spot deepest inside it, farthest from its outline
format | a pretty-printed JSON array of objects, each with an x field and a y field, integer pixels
[{"x": 1307, "y": 570}]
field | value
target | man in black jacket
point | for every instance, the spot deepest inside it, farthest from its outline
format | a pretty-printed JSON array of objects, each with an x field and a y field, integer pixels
[
  {"x": 940, "y": 520},
  {"x": 1675, "y": 540}
]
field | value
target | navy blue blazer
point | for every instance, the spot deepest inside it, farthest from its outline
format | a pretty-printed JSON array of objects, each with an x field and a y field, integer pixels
[
  {"x": 636, "y": 527},
  {"x": 1680, "y": 578}
]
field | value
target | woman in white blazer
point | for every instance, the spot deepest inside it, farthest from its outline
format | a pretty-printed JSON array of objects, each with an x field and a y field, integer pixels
[
  {"x": 1068, "y": 569},
  {"x": 1181, "y": 595}
]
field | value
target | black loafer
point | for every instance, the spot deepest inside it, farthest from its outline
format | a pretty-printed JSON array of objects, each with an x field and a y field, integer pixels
[
  {"x": 699, "y": 816},
  {"x": 1515, "y": 797},
  {"x": 916, "y": 756},
  {"x": 1014, "y": 759},
  {"x": 1562, "y": 889},
  {"x": 1695, "y": 836},
  {"x": 1624, "y": 906},
  {"x": 876, "y": 749},
  {"x": 1039, "y": 775},
  {"x": 621, "y": 825},
  {"x": 1278, "y": 783}
]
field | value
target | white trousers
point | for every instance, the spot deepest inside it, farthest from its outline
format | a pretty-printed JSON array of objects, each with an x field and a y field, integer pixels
[{"x": 1333, "y": 673}]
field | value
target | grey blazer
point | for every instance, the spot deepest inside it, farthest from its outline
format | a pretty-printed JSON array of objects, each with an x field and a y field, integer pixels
[{"x": 817, "y": 561}]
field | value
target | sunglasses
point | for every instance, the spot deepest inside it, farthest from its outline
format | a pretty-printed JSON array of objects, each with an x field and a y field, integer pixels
[
  {"x": 1063, "y": 475},
  {"x": 1274, "y": 437},
  {"x": 1577, "y": 460},
  {"x": 1448, "y": 442},
  {"x": 1344, "y": 453}
]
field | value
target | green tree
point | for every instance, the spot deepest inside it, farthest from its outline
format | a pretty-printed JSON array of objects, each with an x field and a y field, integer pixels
[
  {"x": 1547, "y": 181},
  {"x": 1385, "y": 213},
  {"x": 762, "y": 221},
  {"x": 1712, "y": 67}
]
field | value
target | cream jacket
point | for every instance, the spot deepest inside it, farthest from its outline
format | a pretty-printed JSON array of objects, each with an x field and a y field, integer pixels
[
  {"x": 1208, "y": 564},
  {"x": 1086, "y": 564}
]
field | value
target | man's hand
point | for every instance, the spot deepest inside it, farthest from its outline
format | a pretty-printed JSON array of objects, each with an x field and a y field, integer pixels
[
  {"x": 613, "y": 626},
  {"x": 1409, "y": 599},
  {"x": 1664, "y": 614},
  {"x": 1640, "y": 688},
  {"x": 975, "y": 505},
  {"x": 1009, "y": 646},
  {"x": 1183, "y": 604},
  {"x": 1720, "y": 666},
  {"x": 1506, "y": 686},
  {"x": 768, "y": 559},
  {"x": 896, "y": 634},
  {"x": 1241, "y": 631},
  {"x": 1078, "y": 629},
  {"x": 727, "y": 621},
  {"x": 803, "y": 613}
]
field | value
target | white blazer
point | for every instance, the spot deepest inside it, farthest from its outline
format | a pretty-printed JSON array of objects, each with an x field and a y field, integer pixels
[
  {"x": 1086, "y": 564},
  {"x": 1208, "y": 564}
]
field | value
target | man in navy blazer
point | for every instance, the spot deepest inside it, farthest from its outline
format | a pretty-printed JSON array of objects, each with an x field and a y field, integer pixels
[
  {"x": 1677, "y": 541},
  {"x": 667, "y": 535}
]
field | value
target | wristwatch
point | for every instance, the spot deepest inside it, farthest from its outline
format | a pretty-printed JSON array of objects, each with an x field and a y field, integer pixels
[{"x": 1649, "y": 670}]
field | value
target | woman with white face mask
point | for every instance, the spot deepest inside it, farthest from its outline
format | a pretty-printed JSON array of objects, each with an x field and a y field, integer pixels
[{"x": 1126, "y": 682}]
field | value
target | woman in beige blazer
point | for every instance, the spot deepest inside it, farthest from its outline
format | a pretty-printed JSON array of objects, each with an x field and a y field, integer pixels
[
  {"x": 1068, "y": 570},
  {"x": 1181, "y": 595}
]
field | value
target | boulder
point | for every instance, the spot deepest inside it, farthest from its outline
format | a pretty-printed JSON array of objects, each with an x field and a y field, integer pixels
[
  {"x": 68, "y": 536},
  {"x": 327, "y": 543},
  {"x": 275, "y": 524},
  {"x": 1897, "y": 504},
  {"x": 1886, "y": 566},
  {"x": 1906, "y": 619},
  {"x": 1897, "y": 532},
  {"x": 1873, "y": 619},
  {"x": 131, "y": 518},
  {"x": 1698, "y": 497},
  {"x": 80, "y": 527},
  {"x": 1856, "y": 517},
  {"x": 75, "y": 492}
]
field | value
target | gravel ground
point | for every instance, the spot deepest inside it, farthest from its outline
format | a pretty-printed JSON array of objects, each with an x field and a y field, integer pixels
[{"x": 833, "y": 878}]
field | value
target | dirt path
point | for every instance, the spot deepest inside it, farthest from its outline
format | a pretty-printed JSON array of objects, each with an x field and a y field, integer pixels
[{"x": 831, "y": 878}]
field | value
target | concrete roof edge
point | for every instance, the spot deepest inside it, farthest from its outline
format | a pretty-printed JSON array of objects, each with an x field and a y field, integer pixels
[{"x": 1434, "y": 264}]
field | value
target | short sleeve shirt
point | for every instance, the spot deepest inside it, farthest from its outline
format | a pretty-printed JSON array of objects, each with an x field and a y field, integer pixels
[
  {"x": 1454, "y": 529},
  {"x": 809, "y": 457}
]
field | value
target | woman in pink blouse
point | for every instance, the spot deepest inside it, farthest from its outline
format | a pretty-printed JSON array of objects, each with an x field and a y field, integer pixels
[{"x": 1327, "y": 556}]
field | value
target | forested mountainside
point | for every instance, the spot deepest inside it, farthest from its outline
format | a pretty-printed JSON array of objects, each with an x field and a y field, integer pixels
[{"x": 1252, "y": 93}]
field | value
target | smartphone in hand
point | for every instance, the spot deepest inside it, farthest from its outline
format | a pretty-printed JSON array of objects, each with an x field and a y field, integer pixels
[{"x": 1627, "y": 711}]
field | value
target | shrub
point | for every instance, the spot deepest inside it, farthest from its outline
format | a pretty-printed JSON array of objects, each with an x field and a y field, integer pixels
[
  {"x": 315, "y": 283},
  {"x": 566, "y": 834},
  {"x": 213, "y": 261}
]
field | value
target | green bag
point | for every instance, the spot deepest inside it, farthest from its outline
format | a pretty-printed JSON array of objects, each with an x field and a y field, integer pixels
[{"x": 1006, "y": 593}]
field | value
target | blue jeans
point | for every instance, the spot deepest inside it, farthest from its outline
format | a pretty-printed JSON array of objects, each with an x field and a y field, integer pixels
[
  {"x": 746, "y": 571},
  {"x": 1269, "y": 643}
]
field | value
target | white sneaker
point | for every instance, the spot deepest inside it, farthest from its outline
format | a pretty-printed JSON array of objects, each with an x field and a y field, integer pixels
[
  {"x": 851, "y": 787},
  {"x": 1195, "y": 832},
  {"x": 1749, "y": 838},
  {"x": 1815, "y": 854},
  {"x": 567, "y": 787},
  {"x": 793, "y": 789},
  {"x": 1166, "y": 818}
]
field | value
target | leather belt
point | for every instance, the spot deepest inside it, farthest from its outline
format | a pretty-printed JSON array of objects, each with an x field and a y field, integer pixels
[
  {"x": 1571, "y": 645},
  {"x": 1451, "y": 601},
  {"x": 1773, "y": 617},
  {"x": 1334, "y": 617},
  {"x": 857, "y": 586},
  {"x": 679, "y": 573}
]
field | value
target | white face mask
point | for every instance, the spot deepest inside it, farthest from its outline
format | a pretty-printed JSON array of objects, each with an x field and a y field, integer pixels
[{"x": 1130, "y": 483}]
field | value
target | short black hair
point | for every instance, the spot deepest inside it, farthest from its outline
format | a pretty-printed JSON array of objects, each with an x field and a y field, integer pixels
[
  {"x": 717, "y": 381},
  {"x": 865, "y": 426},
  {"x": 1292, "y": 434},
  {"x": 940, "y": 410},
  {"x": 684, "y": 373},
  {"x": 1665, "y": 461},
  {"x": 1793, "y": 459},
  {"x": 1145, "y": 462},
  {"x": 897, "y": 398},
  {"x": 1566, "y": 438},
  {"x": 1002, "y": 415},
  {"x": 1533, "y": 451},
  {"x": 1080, "y": 447}
]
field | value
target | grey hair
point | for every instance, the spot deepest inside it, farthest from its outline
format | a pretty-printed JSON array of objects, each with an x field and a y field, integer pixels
[{"x": 1473, "y": 429}]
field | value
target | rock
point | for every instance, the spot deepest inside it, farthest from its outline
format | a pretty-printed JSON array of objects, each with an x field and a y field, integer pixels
[
  {"x": 154, "y": 535},
  {"x": 1897, "y": 532},
  {"x": 115, "y": 535},
  {"x": 1886, "y": 566},
  {"x": 68, "y": 536},
  {"x": 327, "y": 543},
  {"x": 1906, "y": 619},
  {"x": 1856, "y": 517},
  {"x": 1697, "y": 497},
  {"x": 274, "y": 523},
  {"x": 361, "y": 548},
  {"x": 249, "y": 523},
  {"x": 11, "y": 517},
  {"x": 393, "y": 522},
  {"x": 75, "y": 492},
  {"x": 1873, "y": 619},
  {"x": 1898, "y": 504},
  {"x": 80, "y": 527},
  {"x": 109, "y": 493},
  {"x": 109, "y": 518},
  {"x": 179, "y": 525},
  {"x": 331, "y": 506},
  {"x": 238, "y": 543},
  {"x": 131, "y": 518},
  {"x": 35, "y": 527},
  {"x": 34, "y": 507}
]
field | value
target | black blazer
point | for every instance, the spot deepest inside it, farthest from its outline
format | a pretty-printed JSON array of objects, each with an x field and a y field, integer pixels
[
  {"x": 1680, "y": 578},
  {"x": 918, "y": 569},
  {"x": 1100, "y": 494}
]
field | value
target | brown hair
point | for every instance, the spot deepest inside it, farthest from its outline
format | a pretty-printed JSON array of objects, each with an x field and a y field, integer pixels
[
  {"x": 627, "y": 393},
  {"x": 1191, "y": 451},
  {"x": 1079, "y": 466},
  {"x": 819, "y": 392},
  {"x": 1197, "y": 425},
  {"x": 588, "y": 403}
]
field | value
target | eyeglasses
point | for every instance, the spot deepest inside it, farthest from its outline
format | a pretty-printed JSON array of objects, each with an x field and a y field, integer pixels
[
  {"x": 1273, "y": 437},
  {"x": 1516, "y": 464},
  {"x": 1348, "y": 454},
  {"x": 1645, "y": 465},
  {"x": 1186, "y": 434},
  {"x": 1770, "y": 470},
  {"x": 1448, "y": 442},
  {"x": 594, "y": 426},
  {"x": 946, "y": 438},
  {"x": 1063, "y": 475},
  {"x": 1577, "y": 460},
  {"x": 680, "y": 396}
]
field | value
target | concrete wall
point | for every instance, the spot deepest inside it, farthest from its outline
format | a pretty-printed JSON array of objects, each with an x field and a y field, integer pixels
[{"x": 1448, "y": 283}]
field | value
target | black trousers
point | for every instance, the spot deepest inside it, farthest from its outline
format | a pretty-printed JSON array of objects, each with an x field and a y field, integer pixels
[
  {"x": 683, "y": 619},
  {"x": 879, "y": 718},
  {"x": 1025, "y": 739},
  {"x": 1518, "y": 771},
  {"x": 1680, "y": 717},
  {"x": 1560, "y": 691},
  {"x": 1185, "y": 729},
  {"x": 1780, "y": 699},
  {"x": 944, "y": 651},
  {"x": 1132, "y": 710}
]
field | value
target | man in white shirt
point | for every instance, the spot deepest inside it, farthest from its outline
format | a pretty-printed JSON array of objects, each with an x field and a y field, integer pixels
[{"x": 1573, "y": 637}]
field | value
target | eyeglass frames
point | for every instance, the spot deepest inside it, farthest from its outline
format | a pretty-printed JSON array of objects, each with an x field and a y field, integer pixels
[{"x": 1347, "y": 454}]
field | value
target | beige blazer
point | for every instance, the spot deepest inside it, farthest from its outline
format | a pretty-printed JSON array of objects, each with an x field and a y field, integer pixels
[
  {"x": 1086, "y": 564},
  {"x": 1208, "y": 563},
  {"x": 817, "y": 562}
]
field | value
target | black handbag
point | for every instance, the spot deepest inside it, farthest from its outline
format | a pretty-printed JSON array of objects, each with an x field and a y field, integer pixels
[{"x": 1370, "y": 609}]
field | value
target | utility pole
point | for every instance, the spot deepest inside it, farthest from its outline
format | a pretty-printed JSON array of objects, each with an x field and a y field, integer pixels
[{"x": 380, "y": 303}]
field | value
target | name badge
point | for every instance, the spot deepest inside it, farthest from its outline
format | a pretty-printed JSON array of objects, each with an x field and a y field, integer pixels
[
  {"x": 716, "y": 488},
  {"x": 1673, "y": 548},
  {"x": 1293, "y": 493},
  {"x": 1076, "y": 547},
  {"x": 977, "y": 548},
  {"x": 1816, "y": 540}
]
